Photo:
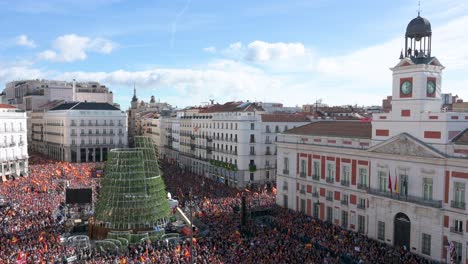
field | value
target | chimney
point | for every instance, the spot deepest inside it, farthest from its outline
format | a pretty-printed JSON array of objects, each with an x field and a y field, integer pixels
[{"x": 74, "y": 91}]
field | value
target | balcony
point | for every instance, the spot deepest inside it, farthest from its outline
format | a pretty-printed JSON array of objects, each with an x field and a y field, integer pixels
[
  {"x": 252, "y": 141},
  {"x": 252, "y": 152},
  {"x": 329, "y": 198},
  {"x": 315, "y": 194},
  {"x": 268, "y": 131},
  {"x": 252, "y": 167},
  {"x": 315, "y": 177},
  {"x": 409, "y": 198},
  {"x": 344, "y": 182},
  {"x": 330, "y": 179},
  {"x": 73, "y": 134},
  {"x": 344, "y": 202},
  {"x": 267, "y": 141},
  {"x": 286, "y": 172},
  {"x": 267, "y": 152},
  {"x": 457, "y": 205},
  {"x": 73, "y": 124},
  {"x": 362, "y": 186},
  {"x": 361, "y": 206},
  {"x": 302, "y": 174},
  {"x": 456, "y": 230}
]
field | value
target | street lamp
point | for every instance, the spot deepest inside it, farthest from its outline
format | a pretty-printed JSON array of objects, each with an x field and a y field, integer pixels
[{"x": 191, "y": 226}]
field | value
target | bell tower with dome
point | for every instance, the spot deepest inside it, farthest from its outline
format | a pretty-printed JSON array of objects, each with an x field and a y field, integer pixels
[
  {"x": 417, "y": 77},
  {"x": 417, "y": 93}
]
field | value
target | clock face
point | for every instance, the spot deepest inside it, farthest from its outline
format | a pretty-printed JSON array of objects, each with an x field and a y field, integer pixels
[
  {"x": 431, "y": 87},
  {"x": 406, "y": 88}
]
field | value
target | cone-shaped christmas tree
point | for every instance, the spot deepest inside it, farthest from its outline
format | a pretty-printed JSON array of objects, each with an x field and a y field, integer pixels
[{"x": 133, "y": 194}]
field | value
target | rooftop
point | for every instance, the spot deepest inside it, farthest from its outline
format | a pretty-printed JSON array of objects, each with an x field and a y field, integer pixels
[
  {"x": 7, "y": 106},
  {"x": 232, "y": 107},
  {"x": 284, "y": 118},
  {"x": 84, "y": 106},
  {"x": 355, "y": 129}
]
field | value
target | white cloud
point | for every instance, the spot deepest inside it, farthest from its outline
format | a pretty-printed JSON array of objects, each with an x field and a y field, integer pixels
[
  {"x": 71, "y": 47},
  {"x": 23, "y": 40},
  {"x": 210, "y": 49},
  {"x": 260, "y": 51}
]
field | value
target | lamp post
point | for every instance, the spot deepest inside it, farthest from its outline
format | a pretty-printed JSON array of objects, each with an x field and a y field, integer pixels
[{"x": 191, "y": 226}]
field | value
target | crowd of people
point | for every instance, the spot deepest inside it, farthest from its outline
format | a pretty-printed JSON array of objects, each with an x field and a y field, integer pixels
[{"x": 30, "y": 230}]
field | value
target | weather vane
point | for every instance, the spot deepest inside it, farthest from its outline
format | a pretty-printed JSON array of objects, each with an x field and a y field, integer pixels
[{"x": 419, "y": 7}]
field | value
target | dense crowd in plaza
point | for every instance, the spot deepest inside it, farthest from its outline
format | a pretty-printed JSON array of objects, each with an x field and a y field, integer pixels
[{"x": 30, "y": 229}]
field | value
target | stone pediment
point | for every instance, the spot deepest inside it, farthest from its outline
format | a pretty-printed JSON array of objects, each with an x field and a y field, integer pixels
[{"x": 406, "y": 145}]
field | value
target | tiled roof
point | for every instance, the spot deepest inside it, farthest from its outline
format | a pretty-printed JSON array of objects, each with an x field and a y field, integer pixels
[
  {"x": 356, "y": 129},
  {"x": 232, "y": 107},
  {"x": 7, "y": 106},
  {"x": 84, "y": 106},
  {"x": 284, "y": 118},
  {"x": 462, "y": 138}
]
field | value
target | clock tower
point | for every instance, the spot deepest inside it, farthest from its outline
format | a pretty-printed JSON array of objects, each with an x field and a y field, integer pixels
[{"x": 417, "y": 77}]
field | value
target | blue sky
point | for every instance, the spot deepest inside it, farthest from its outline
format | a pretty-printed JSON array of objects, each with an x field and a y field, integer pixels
[{"x": 188, "y": 51}]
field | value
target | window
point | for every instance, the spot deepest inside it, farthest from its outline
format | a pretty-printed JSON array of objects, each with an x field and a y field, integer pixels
[
  {"x": 330, "y": 172},
  {"x": 277, "y": 129},
  {"x": 267, "y": 129},
  {"x": 361, "y": 223},
  {"x": 82, "y": 142},
  {"x": 286, "y": 165},
  {"x": 90, "y": 132},
  {"x": 458, "y": 251},
  {"x": 285, "y": 128},
  {"x": 97, "y": 141},
  {"x": 458, "y": 226},
  {"x": 329, "y": 214},
  {"x": 345, "y": 199},
  {"x": 252, "y": 126},
  {"x": 316, "y": 169},
  {"x": 111, "y": 141},
  {"x": 303, "y": 203},
  {"x": 383, "y": 181},
  {"x": 427, "y": 188},
  {"x": 251, "y": 176},
  {"x": 426, "y": 244},
  {"x": 285, "y": 201},
  {"x": 303, "y": 168},
  {"x": 344, "y": 219},
  {"x": 403, "y": 184},
  {"x": 345, "y": 174},
  {"x": 363, "y": 176},
  {"x": 362, "y": 203},
  {"x": 316, "y": 210},
  {"x": 459, "y": 192},
  {"x": 73, "y": 142},
  {"x": 252, "y": 138},
  {"x": 329, "y": 195},
  {"x": 252, "y": 150},
  {"x": 381, "y": 230}
]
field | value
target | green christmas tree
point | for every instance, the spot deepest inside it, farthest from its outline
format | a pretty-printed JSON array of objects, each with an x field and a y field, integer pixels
[{"x": 133, "y": 194}]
